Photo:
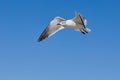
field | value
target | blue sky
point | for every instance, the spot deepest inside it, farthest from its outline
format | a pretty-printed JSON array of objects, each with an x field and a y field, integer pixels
[{"x": 68, "y": 55}]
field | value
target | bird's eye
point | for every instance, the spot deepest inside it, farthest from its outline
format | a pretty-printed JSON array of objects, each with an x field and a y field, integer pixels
[{"x": 61, "y": 22}]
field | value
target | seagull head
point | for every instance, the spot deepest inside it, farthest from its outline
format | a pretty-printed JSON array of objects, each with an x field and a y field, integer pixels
[{"x": 63, "y": 23}]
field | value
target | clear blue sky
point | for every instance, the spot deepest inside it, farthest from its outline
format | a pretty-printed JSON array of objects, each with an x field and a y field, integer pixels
[{"x": 68, "y": 55}]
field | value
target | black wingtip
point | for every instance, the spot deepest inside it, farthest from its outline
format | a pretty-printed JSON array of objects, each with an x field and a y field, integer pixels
[
  {"x": 84, "y": 32},
  {"x": 40, "y": 39},
  {"x": 44, "y": 35}
]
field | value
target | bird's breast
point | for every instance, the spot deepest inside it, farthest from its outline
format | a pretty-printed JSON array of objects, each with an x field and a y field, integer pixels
[{"x": 70, "y": 23}]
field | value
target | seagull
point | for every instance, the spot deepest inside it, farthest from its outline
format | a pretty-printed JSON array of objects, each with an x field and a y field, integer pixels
[{"x": 78, "y": 23}]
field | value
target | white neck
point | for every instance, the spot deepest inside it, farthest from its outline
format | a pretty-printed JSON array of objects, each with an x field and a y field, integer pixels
[{"x": 70, "y": 23}]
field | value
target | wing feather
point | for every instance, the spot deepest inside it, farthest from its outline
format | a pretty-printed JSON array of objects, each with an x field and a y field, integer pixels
[
  {"x": 52, "y": 28},
  {"x": 80, "y": 19}
]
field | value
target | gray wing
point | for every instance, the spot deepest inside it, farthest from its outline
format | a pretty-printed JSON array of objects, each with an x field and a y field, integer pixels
[
  {"x": 80, "y": 19},
  {"x": 52, "y": 28}
]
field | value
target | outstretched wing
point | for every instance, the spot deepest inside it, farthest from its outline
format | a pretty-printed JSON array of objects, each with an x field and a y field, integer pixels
[
  {"x": 52, "y": 28},
  {"x": 80, "y": 19}
]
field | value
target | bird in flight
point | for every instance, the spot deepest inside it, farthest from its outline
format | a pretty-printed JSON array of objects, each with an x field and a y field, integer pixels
[{"x": 78, "y": 23}]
